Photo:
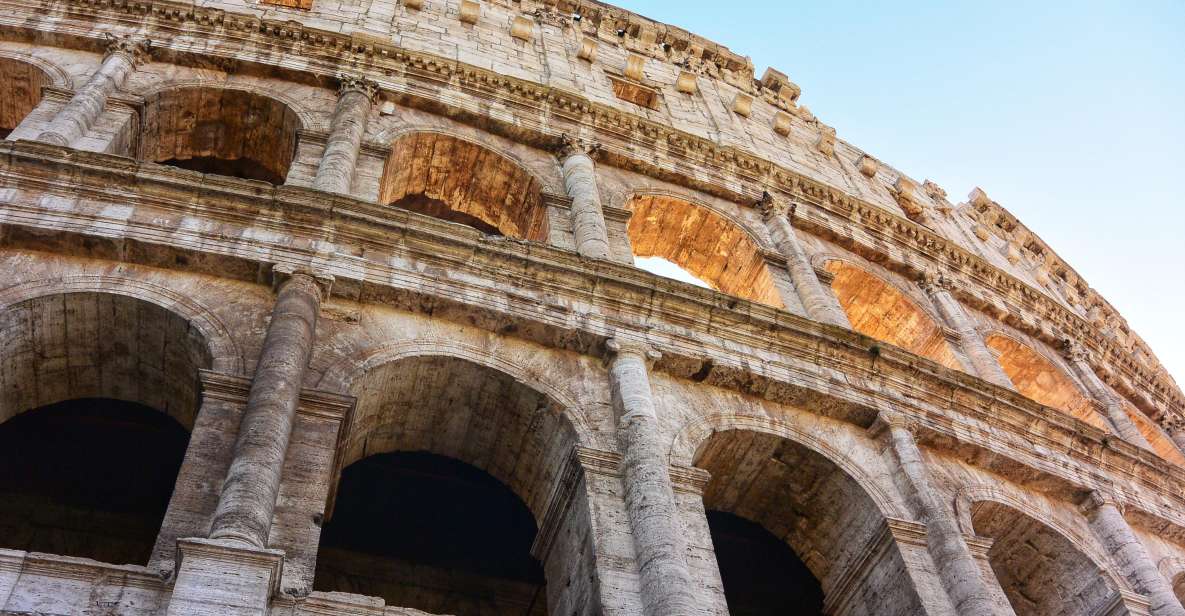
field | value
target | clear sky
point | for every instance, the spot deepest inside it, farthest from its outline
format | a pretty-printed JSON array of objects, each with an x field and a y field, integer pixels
[{"x": 1070, "y": 114}]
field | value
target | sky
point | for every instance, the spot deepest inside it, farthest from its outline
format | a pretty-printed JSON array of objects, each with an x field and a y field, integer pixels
[{"x": 1071, "y": 115}]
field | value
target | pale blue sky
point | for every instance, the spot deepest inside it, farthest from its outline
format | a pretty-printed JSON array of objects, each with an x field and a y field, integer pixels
[{"x": 1070, "y": 115}]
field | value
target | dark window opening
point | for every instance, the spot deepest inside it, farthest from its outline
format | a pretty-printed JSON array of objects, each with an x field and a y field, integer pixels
[
  {"x": 90, "y": 478},
  {"x": 5, "y": 132},
  {"x": 762, "y": 576},
  {"x": 428, "y": 532}
]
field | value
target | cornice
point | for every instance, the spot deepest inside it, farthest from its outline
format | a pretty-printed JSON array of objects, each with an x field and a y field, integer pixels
[
  {"x": 736, "y": 174},
  {"x": 700, "y": 325}
]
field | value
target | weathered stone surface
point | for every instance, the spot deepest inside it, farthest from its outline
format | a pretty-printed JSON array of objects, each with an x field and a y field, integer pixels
[{"x": 481, "y": 249}]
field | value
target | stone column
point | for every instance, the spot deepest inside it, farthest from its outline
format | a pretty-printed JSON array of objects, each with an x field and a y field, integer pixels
[
  {"x": 77, "y": 117},
  {"x": 1109, "y": 401},
  {"x": 957, "y": 568},
  {"x": 336, "y": 172},
  {"x": 580, "y": 182},
  {"x": 244, "y": 513},
  {"x": 820, "y": 303},
  {"x": 986, "y": 366},
  {"x": 1130, "y": 556},
  {"x": 666, "y": 584}
]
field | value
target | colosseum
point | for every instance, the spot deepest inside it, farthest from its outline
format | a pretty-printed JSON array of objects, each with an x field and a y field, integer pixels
[{"x": 333, "y": 307}]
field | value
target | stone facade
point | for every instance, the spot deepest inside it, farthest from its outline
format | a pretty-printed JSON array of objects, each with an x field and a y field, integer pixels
[{"x": 332, "y": 240}]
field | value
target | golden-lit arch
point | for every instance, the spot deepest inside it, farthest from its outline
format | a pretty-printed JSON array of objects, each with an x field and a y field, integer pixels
[
  {"x": 703, "y": 243},
  {"x": 1038, "y": 378},
  {"x": 879, "y": 310},
  {"x": 456, "y": 180},
  {"x": 1160, "y": 442}
]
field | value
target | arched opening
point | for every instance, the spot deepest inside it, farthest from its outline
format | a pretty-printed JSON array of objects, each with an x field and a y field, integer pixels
[
  {"x": 1037, "y": 378},
  {"x": 222, "y": 131},
  {"x": 704, "y": 244},
  {"x": 879, "y": 310},
  {"x": 22, "y": 83},
  {"x": 97, "y": 394},
  {"x": 455, "y": 180},
  {"x": 436, "y": 442},
  {"x": 1040, "y": 570},
  {"x": 453, "y": 539},
  {"x": 1160, "y": 442},
  {"x": 793, "y": 532}
]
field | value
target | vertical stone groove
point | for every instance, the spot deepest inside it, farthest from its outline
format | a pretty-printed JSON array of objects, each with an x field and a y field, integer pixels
[
  {"x": 336, "y": 172},
  {"x": 588, "y": 215}
]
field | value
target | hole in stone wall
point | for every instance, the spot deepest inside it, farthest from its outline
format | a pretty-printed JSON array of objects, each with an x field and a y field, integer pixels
[
  {"x": 702, "y": 243},
  {"x": 455, "y": 180},
  {"x": 762, "y": 576},
  {"x": 89, "y": 478},
  {"x": 878, "y": 310},
  {"x": 22, "y": 83},
  {"x": 221, "y": 131},
  {"x": 428, "y": 532}
]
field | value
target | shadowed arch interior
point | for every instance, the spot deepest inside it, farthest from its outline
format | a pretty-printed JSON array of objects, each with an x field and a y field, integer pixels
[
  {"x": 456, "y": 180},
  {"x": 22, "y": 83},
  {"x": 1038, "y": 378},
  {"x": 879, "y": 310},
  {"x": 705, "y": 244},
  {"x": 1040, "y": 571},
  {"x": 97, "y": 392},
  {"x": 814, "y": 509},
  {"x": 220, "y": 130},
  {"x": 466, "y": 425}
]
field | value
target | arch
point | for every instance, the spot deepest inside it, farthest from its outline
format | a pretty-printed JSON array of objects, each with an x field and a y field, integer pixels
[
  {"x": 308, "y": 119},
  {"x": 447, "y": 177},
  {"x": 22, "y": 81},
  {"x": 225, "y": 353},
  {"x": 690, "y": 441},
  {"x": 1042, "y": 567},
  {"x": 881, "y": 310},
  {"x": 65, "y": 346},
  {"x": 819, "y": 510},
  {"x": 342, "y": 375},
  {"x": 709, "y": 245},
  {"x": 223, "y": 130},
  {"x": 1161, "y": 444},
  {"x": 1040, "y": 379},
  {"x": 1173, "y": 570}
]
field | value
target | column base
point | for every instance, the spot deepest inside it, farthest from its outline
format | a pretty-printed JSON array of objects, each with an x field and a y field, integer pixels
[{"x": 219, "y": 578}]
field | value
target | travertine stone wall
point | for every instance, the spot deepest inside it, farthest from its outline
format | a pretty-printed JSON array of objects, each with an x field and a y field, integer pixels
[{"x": 470, "y": 292}]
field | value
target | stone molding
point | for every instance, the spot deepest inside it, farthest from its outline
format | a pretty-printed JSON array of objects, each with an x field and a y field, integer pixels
[
  {"x": 221, "y": 551},
  {"x": 893, "y": 532},
  {"x": 583, "y": 460},
  {"x": 748, "y": 168}
]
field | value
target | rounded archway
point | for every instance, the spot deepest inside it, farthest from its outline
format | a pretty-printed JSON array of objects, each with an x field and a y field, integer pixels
[
  {"x": 704, "y": 244},
  {"x": 97, "y": 393},
  {"x": 879, "y": 310},
  {"x": 808, "y": 521},
  {"x": 22, "y": 83},
  {"x": 221, "y": 131},
  {"x": 1161, "y": 444},
  {"x": 456, "y": 180},
  {"x": 424, "y": 423},
  {"x": 1039, "y": 379},
  {"x": 1039, "y": 570}
]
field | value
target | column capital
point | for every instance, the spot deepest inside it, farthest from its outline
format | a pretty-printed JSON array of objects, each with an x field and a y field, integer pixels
[
  {"x": 283, "y": 272},
  {"x": 934, "y": 281},
  {"x": 772, "y": 206},
  {"x": 887, "y": 419},
  {"x": 1094, "y": 500},
  {"x": 134, "y": 49},
  {"x": 1074, "y": 351},
  {"x": 617, "y": 347},
  {"x": 357, "y": 83},
  {"x": 1173, "y": 425},
  {"x": 570, "y": 146}
]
